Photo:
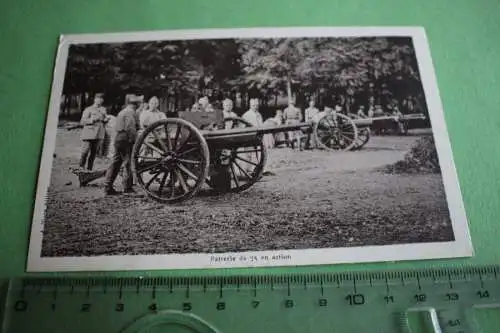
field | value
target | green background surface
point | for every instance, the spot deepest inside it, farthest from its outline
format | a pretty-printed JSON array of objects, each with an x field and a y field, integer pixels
[{"x": 464, "y": 38}]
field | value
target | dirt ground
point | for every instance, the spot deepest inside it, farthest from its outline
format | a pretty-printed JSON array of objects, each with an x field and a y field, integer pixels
[{"x": 316, "y": 199}]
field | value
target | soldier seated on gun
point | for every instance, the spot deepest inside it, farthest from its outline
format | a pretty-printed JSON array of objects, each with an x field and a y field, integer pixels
[
  {"x": 196, "y": 107},
  {"x": 227, "y": 112},
  {"x": 396, "y": 112},
  {"x": 361, "y": 112},
  {"x": 399, "y": 123},
  {"x": 126, "y": 129},
  {"x": 205, "y": 105},
  {"x": 379, "y": 112}
]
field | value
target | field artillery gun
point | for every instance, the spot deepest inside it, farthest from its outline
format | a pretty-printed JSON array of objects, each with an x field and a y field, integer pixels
[
  {"x": 395, "y": 123},
  {"x": 173, "y": 158}
]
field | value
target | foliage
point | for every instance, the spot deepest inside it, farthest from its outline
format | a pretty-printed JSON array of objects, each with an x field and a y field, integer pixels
[
  {"x": 422, "y": 158},
  {"x": 268, "y": 65}
]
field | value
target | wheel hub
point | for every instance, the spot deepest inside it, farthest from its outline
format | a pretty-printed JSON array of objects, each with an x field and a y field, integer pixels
[{"x": 169, "y": 159}]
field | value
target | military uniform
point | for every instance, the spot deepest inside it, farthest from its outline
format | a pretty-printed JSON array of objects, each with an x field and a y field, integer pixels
[
  {"x": 293, "y": 116},
  {"x": 311, "y": 112},
  {"x": 253, "y": 117},
  {"x": 126, "y": 129},
  {"x": 93, "y": 132}
]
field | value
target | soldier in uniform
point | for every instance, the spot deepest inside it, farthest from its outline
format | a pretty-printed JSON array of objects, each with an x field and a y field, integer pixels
[
  {"x": 152, "y": 113},
  {"x": 293, "y": 116},
  {"x": 93, "y": 121},
  {"x": 205, "y": 105},
  {"x": 227, "y": 109},
  {"x": 227, "y": 112},
  {"x": 253, "y": 115},
  {"x": 196, "y": 107},
  {"x": 310, "y": 113},
  {"x": 126, "y": 129}
]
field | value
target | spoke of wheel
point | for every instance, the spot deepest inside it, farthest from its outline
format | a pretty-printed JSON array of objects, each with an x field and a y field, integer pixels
[
  {"x": 325, "y": 135},
  {"x": 149, "y": 158},
  {"x": 330, "y": 126},
  {"x": 149, "y": 167},
  {"x": 181, "y": 180},
  {"x": 257, "y": 152},
  {"x": 331, "y": 123},
  {"x": 245, "y": 160},
  {"x": 246, "y": 174},
  {"x": 347, "y": 128},
  {"x": 167, "y": 135},
  {"x": 324, "y": 130},
  {"x": 172, "y": 184},
  {"x": 323, "y": 139},
  {"x": 234, "y": 175},
  {"x": 322, "y": 124},
  {"x": 176, "y": 139},
  {"x": 154, "y": 148},
  {"x": 250, "y": 151},
  {"x": 188, "y": 151},
  {"x": 347, "y": 138},
  {"x": 185, "y": 142},
  {"x": 332, "y": 145},
  {"x": 187, "y": 172},
  {"x": 162, "y": 183},
  {"x": 322, "y": 133},
  {"x": 162, "y": 144},
  {"x": 153, "y": 179},
  {"x": 182, "y": 160}
]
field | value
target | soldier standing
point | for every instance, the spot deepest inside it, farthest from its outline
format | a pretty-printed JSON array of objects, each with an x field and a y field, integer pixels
[
  {"x": 93, "y": 119},
  {"x": 293, "y": 116},
  {"x": 254, "y": 117},
  {"x": 310, "y": 113},
  {"x": 126, "y": 129}
]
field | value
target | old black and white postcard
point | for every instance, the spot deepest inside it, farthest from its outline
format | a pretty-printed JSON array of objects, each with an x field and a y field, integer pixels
[{"x": 245, "y": 147}]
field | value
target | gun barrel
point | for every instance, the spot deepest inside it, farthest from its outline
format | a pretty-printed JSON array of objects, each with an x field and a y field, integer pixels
[{"x": 256, "y": 130}]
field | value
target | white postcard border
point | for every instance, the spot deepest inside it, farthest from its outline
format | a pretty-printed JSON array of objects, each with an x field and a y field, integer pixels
[{"x": 461, "y": 247}]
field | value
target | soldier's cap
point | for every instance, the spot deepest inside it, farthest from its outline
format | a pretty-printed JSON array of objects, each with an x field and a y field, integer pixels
[{"x": 133, "y": 99}]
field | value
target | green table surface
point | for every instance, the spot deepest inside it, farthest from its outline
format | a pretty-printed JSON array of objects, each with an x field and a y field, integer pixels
[{"x": 464, "y": 37}]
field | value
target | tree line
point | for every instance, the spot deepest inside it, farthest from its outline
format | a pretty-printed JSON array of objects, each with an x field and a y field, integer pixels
[{"x": 345, "y": 71}]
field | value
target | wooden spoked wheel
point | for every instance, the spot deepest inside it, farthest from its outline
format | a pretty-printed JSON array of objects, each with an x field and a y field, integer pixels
[
  {"x": 364, "y": 133},
  {"x": 170, "y": 160},
  {"x": 237, "y": 168},
  {"x": 363, "y": 138},
  {"x": 336, "y": 132}
]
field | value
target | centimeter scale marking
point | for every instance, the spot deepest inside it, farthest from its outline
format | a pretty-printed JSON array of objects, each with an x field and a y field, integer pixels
[{"x": 413, "y": 301}]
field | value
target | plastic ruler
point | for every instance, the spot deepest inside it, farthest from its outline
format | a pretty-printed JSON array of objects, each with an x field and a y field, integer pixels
[{"x": 455, "y": 300}]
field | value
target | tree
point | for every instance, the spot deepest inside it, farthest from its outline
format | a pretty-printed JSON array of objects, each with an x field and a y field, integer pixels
[
  {"x": 340, "y": 62},
  {"x": 272, "y": 63},
  {"x": 330, "y": 66}
]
